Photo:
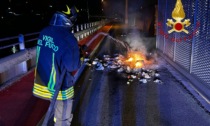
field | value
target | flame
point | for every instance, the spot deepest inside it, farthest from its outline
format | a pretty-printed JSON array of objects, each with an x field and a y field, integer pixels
[
  {"x": 136, "y": 59},
  {"x": 130, "y": 59},
  {"x": 178, "y": 12},
  {"x": 139, "y": 64}
]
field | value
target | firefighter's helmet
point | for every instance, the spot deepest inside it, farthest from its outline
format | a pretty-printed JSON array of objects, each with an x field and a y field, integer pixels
[{"x": 68, "y": 8}]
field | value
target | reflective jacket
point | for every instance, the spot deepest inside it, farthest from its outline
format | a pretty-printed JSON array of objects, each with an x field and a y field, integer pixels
[{"x": 57, "y": 52}]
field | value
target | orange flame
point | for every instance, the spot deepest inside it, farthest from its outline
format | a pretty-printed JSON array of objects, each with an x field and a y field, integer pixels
[{"x": 136, "y": 59}]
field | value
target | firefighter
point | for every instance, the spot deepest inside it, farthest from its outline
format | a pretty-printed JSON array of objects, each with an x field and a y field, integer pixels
[{"x": 57, "y": 59}]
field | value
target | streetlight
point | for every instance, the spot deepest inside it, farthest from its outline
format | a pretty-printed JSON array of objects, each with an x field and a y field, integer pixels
[
  {"x": 104, "y": 5},
  {"x": 126, "y": 11},
  {"x": 88, "y": 11}
]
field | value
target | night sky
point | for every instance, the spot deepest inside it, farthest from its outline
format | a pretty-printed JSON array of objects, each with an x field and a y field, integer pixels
[{"x": 24, "y": 16}]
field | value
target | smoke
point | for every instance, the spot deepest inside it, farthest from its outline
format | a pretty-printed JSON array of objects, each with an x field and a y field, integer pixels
[
  {"x": 146, "y": 45},
  {"x": 139, "y": 42},
  {"x": 136, "y": 43}
]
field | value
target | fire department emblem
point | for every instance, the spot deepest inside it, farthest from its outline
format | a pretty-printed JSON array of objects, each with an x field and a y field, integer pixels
[{"x": 178, "y": 15}]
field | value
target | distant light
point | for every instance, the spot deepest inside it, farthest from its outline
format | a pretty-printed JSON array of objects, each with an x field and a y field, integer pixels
[
  {"x": 2, "y": 17},
  {"x": 10, "y": 12},
  {"x": 50, "y": 6},
  {"x": 9, "y": 8},
  {"x": 16, "y": 14},
  {"x": 38, "y": 14},
  {"x": 26, "y": 2}
]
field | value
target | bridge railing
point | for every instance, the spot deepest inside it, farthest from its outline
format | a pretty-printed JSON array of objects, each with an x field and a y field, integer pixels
[
  {"x": 18, "y": 52},
  {"x": 189, "y": 51}
]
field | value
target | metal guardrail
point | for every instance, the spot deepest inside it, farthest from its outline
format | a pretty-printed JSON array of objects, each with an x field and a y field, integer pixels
[{"x": 23, "y": 58}]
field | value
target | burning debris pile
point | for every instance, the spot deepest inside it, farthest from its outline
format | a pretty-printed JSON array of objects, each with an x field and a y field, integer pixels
[{"x": 134, "y": 66}]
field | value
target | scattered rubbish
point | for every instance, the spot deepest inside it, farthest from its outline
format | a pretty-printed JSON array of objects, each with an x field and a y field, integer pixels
[
  {"x": 146, "y": 75},
  {"x": 86, "y": 60},
  {"x": 120, "y": 70},
  {"x": 94, "y": 62},
  {"x": 128, "y": 82},
  {"x": 157, "y": 74},
  {"x": 143, "y": 80},
  {"x": 126, "y": 68},
  {"x": 157, "y": 80},
  {"x": 99, "y": 66}
]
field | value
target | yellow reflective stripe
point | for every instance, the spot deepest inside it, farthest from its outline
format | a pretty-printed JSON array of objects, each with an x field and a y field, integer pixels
[
  {"x": 37, "y": 58},
  {"x": 45, "y": 95},
  {"x": 37, "y": 53},
  {"x": 49, "y": 95},
  {"x": 43, "y": 88},
  {"x": 54, "y": 119},
  {"x": 43, "y": 91},
  {"x": 52, "y": 81},
  {"x": 65, "y": 94}
]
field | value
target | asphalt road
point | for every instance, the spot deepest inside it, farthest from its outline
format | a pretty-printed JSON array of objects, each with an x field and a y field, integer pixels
[{"x": 103, "y": 98}]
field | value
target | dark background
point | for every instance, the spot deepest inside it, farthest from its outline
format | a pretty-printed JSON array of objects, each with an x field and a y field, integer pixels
[{"x": 26, "y": 16}]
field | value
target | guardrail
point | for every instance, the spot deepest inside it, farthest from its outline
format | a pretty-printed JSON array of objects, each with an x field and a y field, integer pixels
[{"x": 23, "y": 50}]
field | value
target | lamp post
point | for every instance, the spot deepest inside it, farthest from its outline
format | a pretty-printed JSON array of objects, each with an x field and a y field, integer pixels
[
  {"x": 88, "y": 11},
  {"x": 102, "y": 8},
  {"x": 126, "y": 12}
]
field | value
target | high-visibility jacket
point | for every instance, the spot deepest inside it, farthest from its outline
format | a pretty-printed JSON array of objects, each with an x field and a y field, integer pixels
[{"x": 57, "y": 52}]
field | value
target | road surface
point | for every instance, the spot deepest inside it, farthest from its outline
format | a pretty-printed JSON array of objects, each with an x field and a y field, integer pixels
[{"x": 103, "y": 98}]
